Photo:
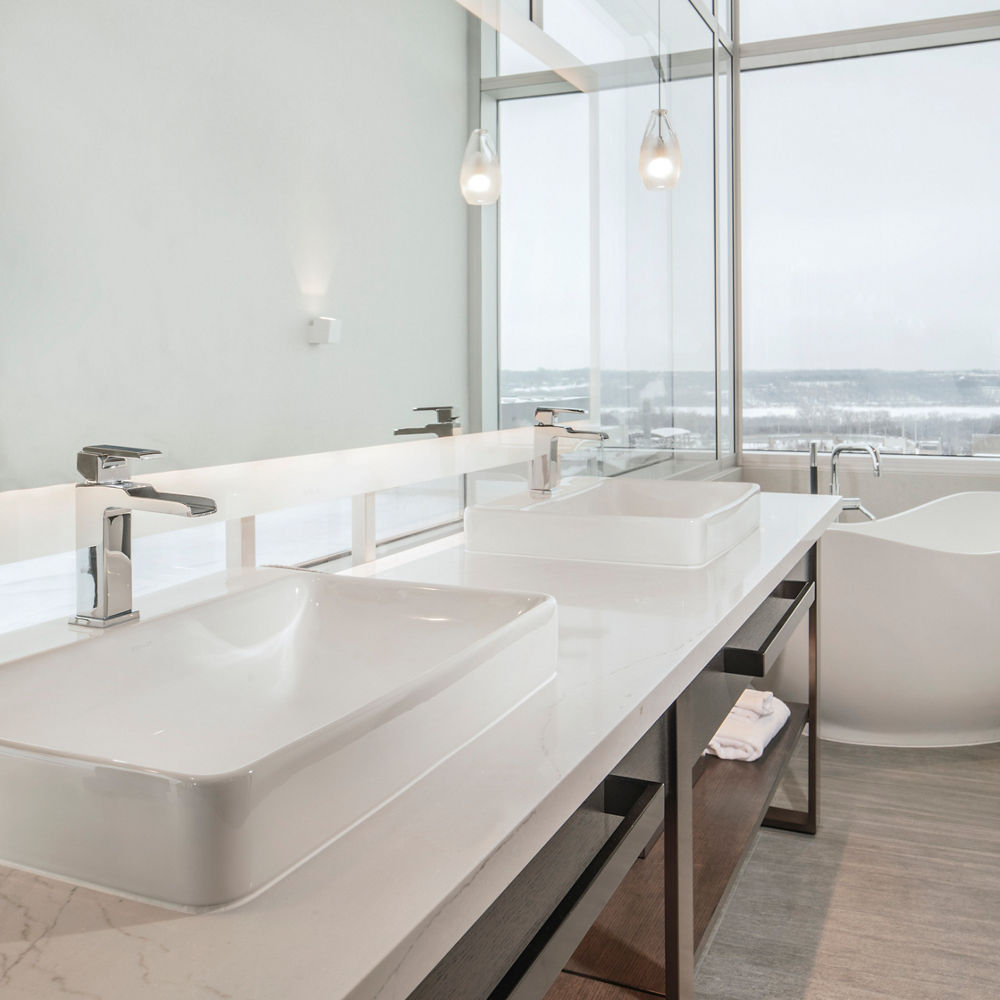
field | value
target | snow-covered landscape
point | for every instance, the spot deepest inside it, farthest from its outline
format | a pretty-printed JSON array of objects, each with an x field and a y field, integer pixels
[{"x": 904, "y": 412}]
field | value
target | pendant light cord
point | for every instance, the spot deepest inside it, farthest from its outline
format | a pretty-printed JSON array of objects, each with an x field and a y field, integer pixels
[{"x": 659, "y": 67}]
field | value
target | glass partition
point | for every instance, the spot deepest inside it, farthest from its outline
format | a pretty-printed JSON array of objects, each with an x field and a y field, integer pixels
[
  {"x": 608, "y": 290},
  {"x": 511, "y": 58}
]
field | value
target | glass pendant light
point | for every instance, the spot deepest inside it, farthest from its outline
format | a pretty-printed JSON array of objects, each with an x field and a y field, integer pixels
[
  {"x": 660, "y": 153},
  {"x": 479, "y": 177}
]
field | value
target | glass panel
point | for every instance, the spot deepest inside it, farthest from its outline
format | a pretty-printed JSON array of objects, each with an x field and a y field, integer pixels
[
  {"x": 413, "y": 508},
  {"x": 725, "y": 247},
  {"x": 300, "y": 534},
  {"x": 545, "y": 254},
  {"x": 871, "y": 231},
  {"x": 761, "y": 19},
  {"x": 692, "y": 332},
  {"x": 43, "y": 589},
  {"x": 724, "y": 14},
  {"x": 587, "y": 30},
  {"x": 37, "y": 590},
  {"x": 607, "y": 289},
  {"x": 511, "y": 58},
  {"x": 174, "y": 557}
]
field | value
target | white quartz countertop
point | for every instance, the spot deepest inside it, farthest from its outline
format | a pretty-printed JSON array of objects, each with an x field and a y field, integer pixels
[{"x": 371, "y": 918}]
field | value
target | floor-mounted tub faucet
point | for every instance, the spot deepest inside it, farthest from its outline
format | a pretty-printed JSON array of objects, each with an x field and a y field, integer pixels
[
  {"x": 545, "y": 470},
  {"x": 447, "y": 424},
  {"x": 854, "y": 503},
  {"x": 104, "y": 505}
]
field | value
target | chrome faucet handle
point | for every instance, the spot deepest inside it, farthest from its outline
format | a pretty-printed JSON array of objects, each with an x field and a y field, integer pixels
[
  {"x": 545, "y": 415},
  {"x": 445, "y": 414},
  {"x": 94, "y": 459}
]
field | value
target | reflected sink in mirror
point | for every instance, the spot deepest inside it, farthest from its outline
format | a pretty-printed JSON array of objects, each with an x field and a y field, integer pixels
[
  {"x": 192, "y": 759},
  {"x": 655, "y": 522}
]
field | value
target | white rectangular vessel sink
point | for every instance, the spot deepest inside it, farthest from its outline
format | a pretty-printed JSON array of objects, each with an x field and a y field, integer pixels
[
  {"x": 656, "y": 522},
  {"x": 192, "y": 759}
]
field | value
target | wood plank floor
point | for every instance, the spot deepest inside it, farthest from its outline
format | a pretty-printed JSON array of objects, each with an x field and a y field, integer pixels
[{"x": 898, "y": 896}]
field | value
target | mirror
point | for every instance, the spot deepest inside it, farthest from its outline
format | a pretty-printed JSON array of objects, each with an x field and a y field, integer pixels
[{"x": 185, "y": 185}]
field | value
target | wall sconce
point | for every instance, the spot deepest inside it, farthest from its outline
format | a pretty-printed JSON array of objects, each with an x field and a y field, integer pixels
[{"x": 324, "y": 330}]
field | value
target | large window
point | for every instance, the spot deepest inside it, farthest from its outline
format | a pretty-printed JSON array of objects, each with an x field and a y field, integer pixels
[
  {"x": 871, "y": 236},
  {"x": 607, "y": 291}
]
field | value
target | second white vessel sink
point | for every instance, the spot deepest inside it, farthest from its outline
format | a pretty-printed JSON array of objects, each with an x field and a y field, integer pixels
[
  {"x": 655, "y": 522},
  {"x": 194, "y": 758}
]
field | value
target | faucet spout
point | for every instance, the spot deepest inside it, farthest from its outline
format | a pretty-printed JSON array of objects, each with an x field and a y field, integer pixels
[
  {"x": 447, "y": 424},
  {"x": 438, "y": 430},
  {"x": 853, "y": 503},
  {"x": 104, "y": 532},
  {"x": 546, "y": 472},
  {"x": 139, "y": 496}
]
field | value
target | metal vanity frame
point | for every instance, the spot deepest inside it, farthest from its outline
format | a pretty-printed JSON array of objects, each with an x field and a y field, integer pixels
[{"x": 529, "y": 935}]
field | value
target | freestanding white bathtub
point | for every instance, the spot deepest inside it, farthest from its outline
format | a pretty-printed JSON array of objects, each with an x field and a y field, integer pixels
[{"x": 910, "y": 626}]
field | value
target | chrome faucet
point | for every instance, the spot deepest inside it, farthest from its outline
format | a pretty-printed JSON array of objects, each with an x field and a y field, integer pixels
[
  {"x": 545, "y": 470},
  {"x": 447, "y": 422},
  {"x": 104, "y": 505},
  {"x": 854, "y": 503}
]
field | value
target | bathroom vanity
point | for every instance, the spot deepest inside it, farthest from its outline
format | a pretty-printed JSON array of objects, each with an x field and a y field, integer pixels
[{"x": 573, "y": 763}]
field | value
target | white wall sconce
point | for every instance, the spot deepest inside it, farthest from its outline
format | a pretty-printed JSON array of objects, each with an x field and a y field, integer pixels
[{"x": 324, "y": 330}]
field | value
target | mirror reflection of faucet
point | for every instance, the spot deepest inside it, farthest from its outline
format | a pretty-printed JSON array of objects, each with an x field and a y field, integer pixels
[
  {"x": 854, "y": 503},
  {"x": 104, "y": 505},
  {"x": 546, "y": 472},
  {"x": 447, "y": 424}
]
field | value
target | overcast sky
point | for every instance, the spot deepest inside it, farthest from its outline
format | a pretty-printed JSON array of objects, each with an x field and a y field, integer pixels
[{"x": 871, "y": 220}]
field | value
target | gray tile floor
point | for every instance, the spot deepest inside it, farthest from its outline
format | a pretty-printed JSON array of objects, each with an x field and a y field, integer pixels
[{"x": 897, "y": 896}]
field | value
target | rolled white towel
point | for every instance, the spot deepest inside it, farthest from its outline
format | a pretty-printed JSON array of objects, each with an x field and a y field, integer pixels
[
  {"x": 743, "y": 738},
  {"x": 758, "y": 702}
]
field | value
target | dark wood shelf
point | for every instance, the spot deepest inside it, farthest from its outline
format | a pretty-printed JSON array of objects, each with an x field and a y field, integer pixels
[
  {"x": 713, "y": 694},
  {"x": 570, "y": 987},
  {"x": 730, "y": 801},
  {"x": 626, "y": 944}
]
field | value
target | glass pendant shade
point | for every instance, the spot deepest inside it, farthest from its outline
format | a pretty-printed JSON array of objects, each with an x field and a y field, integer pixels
[
  {"x": 660, "y": 153},
  {"x": 479, "y": 177}
]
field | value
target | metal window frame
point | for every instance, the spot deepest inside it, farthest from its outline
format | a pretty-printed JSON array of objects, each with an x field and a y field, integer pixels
[
  {"x": 737, "y": 224},
  {"x": 483, "y": 248},
  {"x": 883, "y": 39},
  {"x": 726, "y": 240}
]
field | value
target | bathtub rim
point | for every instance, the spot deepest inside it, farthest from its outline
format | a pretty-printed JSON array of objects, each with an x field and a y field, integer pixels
[{"x": 873, "y": 529}]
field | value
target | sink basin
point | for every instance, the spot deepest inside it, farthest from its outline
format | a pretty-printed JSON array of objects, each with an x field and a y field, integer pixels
[
  {"x": 656, "y": 522},
  {"x": 192, "y": 759}
]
